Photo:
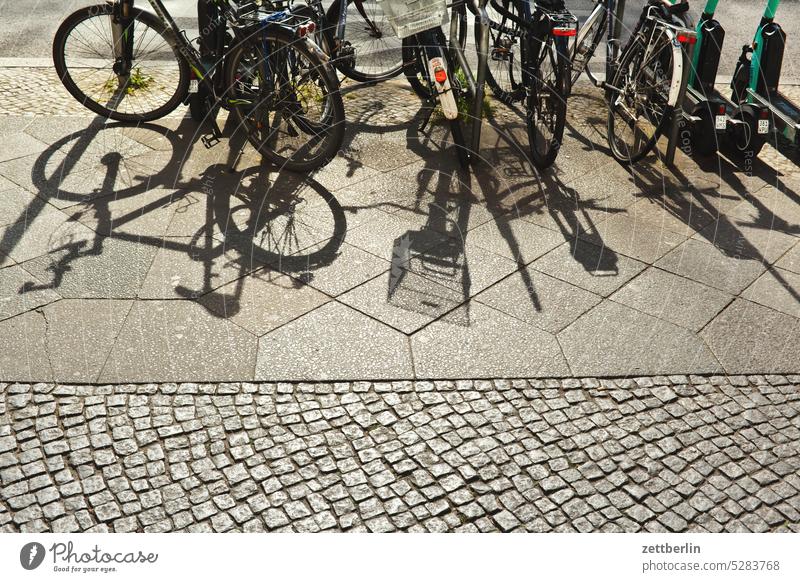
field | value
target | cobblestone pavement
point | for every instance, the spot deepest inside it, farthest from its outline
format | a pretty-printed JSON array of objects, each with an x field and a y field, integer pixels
[{"x": 654, "y": 454}]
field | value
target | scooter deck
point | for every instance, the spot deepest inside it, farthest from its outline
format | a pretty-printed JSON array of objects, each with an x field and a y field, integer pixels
[{"x": 786, "y": 115}]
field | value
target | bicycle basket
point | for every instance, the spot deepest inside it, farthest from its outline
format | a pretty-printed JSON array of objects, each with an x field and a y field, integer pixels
[{"x": 409, "y": 17}]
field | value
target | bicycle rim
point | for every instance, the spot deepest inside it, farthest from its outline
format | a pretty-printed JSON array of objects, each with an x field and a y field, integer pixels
[
  {"x": 288, "y": 102},
  {"x": 84, "y": 58},
  {"x": 504, "y": 71},
  {"x": 377, "y": 49}
]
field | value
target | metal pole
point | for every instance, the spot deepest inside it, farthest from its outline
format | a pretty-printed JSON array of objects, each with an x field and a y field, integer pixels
[{"x": 483, "y": 57}]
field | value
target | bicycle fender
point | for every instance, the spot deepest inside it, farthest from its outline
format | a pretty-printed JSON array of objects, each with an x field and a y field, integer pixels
[{"x": 677, "y": 59}]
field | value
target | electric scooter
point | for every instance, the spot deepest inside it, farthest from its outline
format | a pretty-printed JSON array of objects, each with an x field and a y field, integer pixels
[
  {"x": 756, "y": 79},
  {"x": 714, "y": 119}
]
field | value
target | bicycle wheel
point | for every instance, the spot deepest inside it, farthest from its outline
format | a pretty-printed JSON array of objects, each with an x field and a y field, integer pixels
[
  {"x": 84, "y": 54},
  {"x": 546, "y": 102},
  {"x": 370, "y": 50},
  {"x": 640, "y": 107},
  {"x": 287, "y": 100},
  {"x": 504, "y": 70},
  {"x": 586, "y": 43}
]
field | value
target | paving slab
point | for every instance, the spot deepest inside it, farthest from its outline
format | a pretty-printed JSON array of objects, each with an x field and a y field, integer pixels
[
  {"x": 482, "y": 342},
  {"x": 50, "y": 230},
  {"x": 23, "y": 349},
  {"x": 19, "y": 144},
  {"x": 103, "y": 268},
  {"x": 331, "y": 343},
  {"x": 791, "y": 260},
  {"x": 538, "y": 299},
  {"x": 179, "y": 340},
  {"x": 80, "y": 335},
  {"x": 185, "y": 268},
  {"x": 741, "y": 237},
  {"x": 15, "y": 203},
  {"x": 262, "y": 301},
  {"x": 147, "y": 214},
  {"x": 635, "y": 237},
  {"x": 20, "y": 292},
  {"x": 332, "y": 267},
  {"x": 676, "y": 299},
  {"x": 515, "y": 239},
  {"x": 778, "y": 289},
  {"x": 592, "y": 267},
  {"x": 403, "y": 299},
  {"x": 707, "y": 264},
  {"x": 613, "y": 336},
  {"x": 748, "y": 337}
]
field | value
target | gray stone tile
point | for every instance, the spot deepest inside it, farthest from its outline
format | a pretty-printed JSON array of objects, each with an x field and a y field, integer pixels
[
  {"x": 179, "y": 341},
  {"x": 673, "y": 298},
  {"x": 673, "y": 213},
  {"x": 636, "y": 237},
  {"x": 181, "y": 269},
  {"x": 515, "y": 239},
  {"x": 48, "y": 231},
  {"x": 15, "y": 203},
  {"x": 777, "y": 289},
  {"x": 703, "y": 262},
  {"x": 612, "y": 339},
  {"x": 262, "y": 301},
  {"x": 538, "y": 299},
  {"x": 332, "y": 268},
  {"x": 597, "y": 269},
  {"x": 772, "y": 208},
  {"x": 403, "y": 300},
  {"x": 467, "y": 269},
  {"x": 481, "y": 342},
  {"x": 379, "y": 235},
  {"x": 20, "y": 292},
  {"x": 110, "y": 268},
  {"x": 749, "y": 338},
  {"x": 333, "y": 342},
  {"x": 65, "y": 181},
  {"x": 791, "y": 260},
  {"x": 17, "y": 145},
  {"x": 147, "y": 214},
  {"x": 744, "y": 237},
  {"x": 23, "y": 349},
  {"x": 80, "y": 335}
]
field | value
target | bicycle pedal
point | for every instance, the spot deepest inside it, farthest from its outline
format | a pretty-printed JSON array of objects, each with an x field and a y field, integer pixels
[{"x": 210, "y": 141}]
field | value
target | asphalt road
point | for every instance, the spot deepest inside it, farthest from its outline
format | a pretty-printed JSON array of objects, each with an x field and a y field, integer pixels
[{"x": 27, "y": 26}]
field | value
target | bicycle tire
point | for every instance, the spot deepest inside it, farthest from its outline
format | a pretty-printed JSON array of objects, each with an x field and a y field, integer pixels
[
  {"x": 253, "y": 105},
  {"x": 167, "y": 96},
  {"x": 619, "y": 102},
  {"x": 505, "y": 87},
  {"x": 366, "y": 40},
  {"x": 544, "y": 148}
]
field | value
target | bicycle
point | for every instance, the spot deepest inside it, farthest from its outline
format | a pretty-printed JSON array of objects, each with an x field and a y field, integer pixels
[
  {"x": 645, "y": 79},
  {"x": 356, "y": 36},
  {"x": 129, "y": 65},
  {"x": 543, "y": 89},
  {"x": 540, "y": 78}
]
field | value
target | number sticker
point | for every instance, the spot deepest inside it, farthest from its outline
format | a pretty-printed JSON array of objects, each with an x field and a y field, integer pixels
[
  {"x": 193, "y": 86},
  {"x": 763, "y": 125},
  {"x": 719, "y": 122}
]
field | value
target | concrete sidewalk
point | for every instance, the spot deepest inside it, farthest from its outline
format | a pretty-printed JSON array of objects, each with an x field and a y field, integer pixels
[{"x": 127, "y": 254}]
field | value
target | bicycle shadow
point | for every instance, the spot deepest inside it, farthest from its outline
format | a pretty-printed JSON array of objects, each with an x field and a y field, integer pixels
[{"x": 240, "y": 205}]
